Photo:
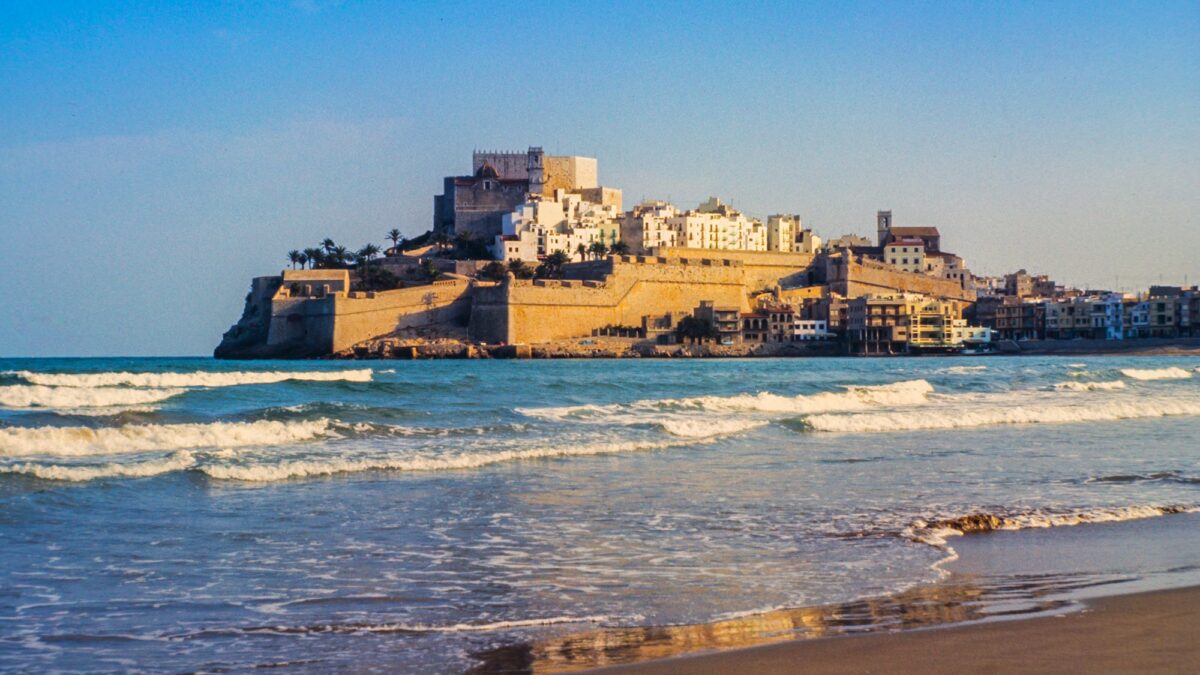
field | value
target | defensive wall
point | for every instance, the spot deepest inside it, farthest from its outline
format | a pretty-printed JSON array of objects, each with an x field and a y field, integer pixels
[
  {"x": 312, "y": 312},
  {"x": 524, "y": 311},
  {"x": 852, "y": 278},
  {"x": 762, "y": 270}
]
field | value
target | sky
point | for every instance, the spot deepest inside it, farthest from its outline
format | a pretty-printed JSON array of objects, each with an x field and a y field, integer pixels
[{"x": 154, "y": 157}]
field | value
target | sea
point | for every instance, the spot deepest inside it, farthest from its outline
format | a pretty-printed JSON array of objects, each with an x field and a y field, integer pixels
[{"x": 192, "y": 515}]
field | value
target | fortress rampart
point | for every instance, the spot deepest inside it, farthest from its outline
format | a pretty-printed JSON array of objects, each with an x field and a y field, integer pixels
[{"x": 313, "y": 312}]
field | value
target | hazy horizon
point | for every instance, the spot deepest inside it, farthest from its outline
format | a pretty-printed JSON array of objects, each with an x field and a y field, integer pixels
[{"x": 153, "y": 160}]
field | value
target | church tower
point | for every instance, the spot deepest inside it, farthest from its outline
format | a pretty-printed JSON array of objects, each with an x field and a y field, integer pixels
[
  {"x": 537, "y": 172},
  {"x": 883, "y": 225}
]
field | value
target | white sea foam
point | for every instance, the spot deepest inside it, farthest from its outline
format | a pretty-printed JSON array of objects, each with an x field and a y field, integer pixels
[
  {"x": 911, "y": 392},
  {"x": 936, "y": 532},
  {"x": 1090, "y": 386},
  {"x": 962, "y": 370},
  {"x": 480, "y": 627},
  {"x": 41, "y": 396},
  {"x": 981, "y": 415},
  {"x": 86, "y": 441},
  {"x": 198, "y": 378},
  {"x": 1156, "y": 373},
  {"x": 178, "y": 461},
  {"x": 301, "y": 468},
  {"x": 704, "y": 427}
]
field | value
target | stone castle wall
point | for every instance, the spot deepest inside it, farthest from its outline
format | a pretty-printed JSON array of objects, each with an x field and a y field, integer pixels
[
  {"x": 522, "y": 311},
  {"x": 852, "y": 279},
  {"x": 762, "y": 269}
]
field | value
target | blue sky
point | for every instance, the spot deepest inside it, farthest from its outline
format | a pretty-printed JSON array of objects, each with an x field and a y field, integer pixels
[{"x": 155, "y": 157}]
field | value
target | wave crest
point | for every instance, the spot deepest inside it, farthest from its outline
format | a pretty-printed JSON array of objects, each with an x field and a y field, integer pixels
[
  {"x": 935, "y": 532},
  {"x": 41, "y": 396},
  {"x": 197, "y": 378},
  {"x": 1172, "y": 373},
  {"x": 956, "y": 418},
  {"x": 179, "y": 461},
  {"x": 910, "y": 392},
  {"x": 305, "y": 468},
  {"x": 87, "y": 441},
  {"x": 1090, "y": 386}
]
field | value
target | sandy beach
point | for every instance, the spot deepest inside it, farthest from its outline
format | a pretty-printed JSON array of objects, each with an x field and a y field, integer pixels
[{"x": 1153, "y": 632}]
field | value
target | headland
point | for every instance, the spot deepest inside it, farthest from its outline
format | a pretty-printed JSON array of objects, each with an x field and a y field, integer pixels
[{"x": 530, "y": 256}]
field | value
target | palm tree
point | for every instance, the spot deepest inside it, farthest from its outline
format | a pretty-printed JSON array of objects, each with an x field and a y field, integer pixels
[
  {"x": 582, "y": 251},
  {"x": 366, "y": 253},
  {"x": 294, "y": 256},
  {"x": 394, "y": 235},
  {"x": 619, "y": 248},
  {"x": 340, "y": 255},
  {"x": 315, "y": 257},
  {"x": 302, "y": 259},
  {"x": 519, "y": 269},
  {"x": 442, "y": 240},
  {"x": 598, "y": 249}
]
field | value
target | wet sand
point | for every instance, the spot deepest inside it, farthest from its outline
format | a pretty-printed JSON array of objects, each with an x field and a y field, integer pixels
[{"x": 1153, "y": 632}]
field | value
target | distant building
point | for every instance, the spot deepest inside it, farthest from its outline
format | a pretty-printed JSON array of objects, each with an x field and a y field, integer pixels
[
  {"x": 474, "y": 205},
  {"x": 907, "y": 255}
]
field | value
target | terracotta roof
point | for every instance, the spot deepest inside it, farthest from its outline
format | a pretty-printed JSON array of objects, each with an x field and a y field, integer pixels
[
  {"x": 906, "y": 242},
  {"x": 899, "y": 232}
]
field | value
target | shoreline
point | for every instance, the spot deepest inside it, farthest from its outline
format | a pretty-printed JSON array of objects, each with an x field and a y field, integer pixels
[
  {"x": 633, "y": 348},
  {"x": 1068, "y": 593},
  {"x": 1152, "y": 631}
]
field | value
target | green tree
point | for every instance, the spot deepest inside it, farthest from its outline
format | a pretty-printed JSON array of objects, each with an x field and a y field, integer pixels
[
  {"x": 520, "y": 270},
  {"x": 367, "y": 253},
  {"x": 316, "y": 258},
  {"x": 619, "y": 248},
  {"x": 328, "y": 245},
  {"x": 303, "y": 260},
  {"x": 494, "y": 270},
  {"x": 598, "y": 249},
  {"x": 581, "y": 250},
  {"x": 430, "y": 270},
  {"x": 294, "y": 257},
  {"x": 339, "y": 256},
  {"x": 695, "y": 329},
  {"x": 394, "y": 235},
  {"x": 441, "y": 240}
]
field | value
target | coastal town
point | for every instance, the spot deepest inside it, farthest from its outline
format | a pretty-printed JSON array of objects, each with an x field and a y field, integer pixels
[{"x": 530, "y": 255}]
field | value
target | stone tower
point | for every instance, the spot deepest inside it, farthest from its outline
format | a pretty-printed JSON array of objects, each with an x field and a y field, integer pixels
[
  {"x": 883, "y": 224},
  {"x": 537, "y": 171}
]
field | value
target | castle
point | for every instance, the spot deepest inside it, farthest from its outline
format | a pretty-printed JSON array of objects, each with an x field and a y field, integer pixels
[{"x": 529, "y": 205}]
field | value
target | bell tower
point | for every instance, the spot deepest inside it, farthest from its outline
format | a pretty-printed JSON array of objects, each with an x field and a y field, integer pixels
[
  {"x": 883, "y": 226},
  {"x": 537, "y": 171}
]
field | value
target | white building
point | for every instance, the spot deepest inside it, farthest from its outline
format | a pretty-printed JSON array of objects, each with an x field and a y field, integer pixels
[
  {"x": 716, "y": 225},
  {"x": 539, "y": 227},
  {"x": 810, "y": 329},
  {"x": 649, "y": 226},
  {"x": 906, "y": 254}
]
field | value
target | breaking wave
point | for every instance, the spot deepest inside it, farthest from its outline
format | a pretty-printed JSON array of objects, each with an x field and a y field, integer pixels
[
  {"x": 197, "y": 378},
  {"x": 705, "y": 427},
  {"x": 987, "y": 416},
  {"x": 1090, "y": 386},
  {"x": 304, "y": 468},
  {"x": 911, "y": 392},
  {"x": 41, "y": 396},
  {"x": 962, "y": 370},
  {"x": 86, "y": 441},
  {"x": 935, "y": 532},
  {"x": 178, "y": 461},
  {"x": 1156, "y": 373}
]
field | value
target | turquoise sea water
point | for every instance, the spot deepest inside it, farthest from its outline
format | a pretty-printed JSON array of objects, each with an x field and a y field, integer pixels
[{"x": 194, "y": 515}]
